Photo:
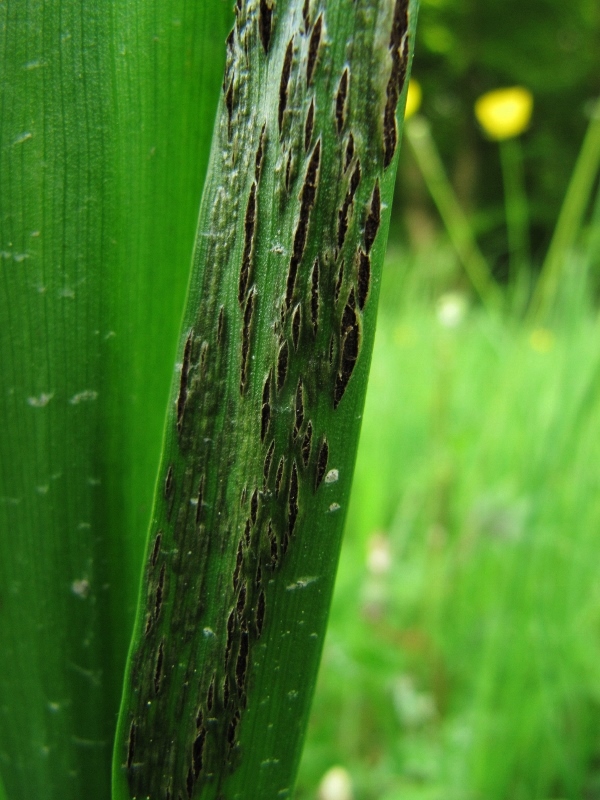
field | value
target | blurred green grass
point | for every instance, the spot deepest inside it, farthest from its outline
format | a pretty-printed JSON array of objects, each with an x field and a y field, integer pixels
[{"x": 463, "y": 654}]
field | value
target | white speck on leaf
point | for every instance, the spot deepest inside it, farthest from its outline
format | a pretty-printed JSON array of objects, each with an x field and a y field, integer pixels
[
  {"x": 301, "y": 583},
  {"x": 332, "y": 476},
  {"x": 81, "y": 588},
  {"x": 41, "y": 401},
  {"x": 23, "y": 137},
  {"x": 334, "y": 507},
  {"x": 83, "y": 397}
]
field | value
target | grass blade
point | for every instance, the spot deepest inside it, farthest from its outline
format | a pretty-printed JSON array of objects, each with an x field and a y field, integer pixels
[
  {"x": 105, "y": 115},
  {"x": 265, "y": 411}
]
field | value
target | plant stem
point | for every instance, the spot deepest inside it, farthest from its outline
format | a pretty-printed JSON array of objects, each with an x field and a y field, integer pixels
[
  {"x": 459, "y": 230},
  {"x": 517, "y": 211},
  {"x": 570, "y": 220}
]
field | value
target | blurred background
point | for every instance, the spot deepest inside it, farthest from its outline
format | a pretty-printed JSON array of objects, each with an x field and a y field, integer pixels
[{"x": 462, "y": 660}]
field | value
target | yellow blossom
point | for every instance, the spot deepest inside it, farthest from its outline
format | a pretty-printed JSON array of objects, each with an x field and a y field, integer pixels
[
  {"x": 504, "y": 113},
  {"x": 413, "y": 98}
]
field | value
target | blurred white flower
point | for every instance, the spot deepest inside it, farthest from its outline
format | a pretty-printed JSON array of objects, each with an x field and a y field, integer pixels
[
  {"x": 336, "y": 784},
  {"x": 451, "y": 309},
  {"x": 414, "y": 708},
  {"x": 379, "y": 556}
]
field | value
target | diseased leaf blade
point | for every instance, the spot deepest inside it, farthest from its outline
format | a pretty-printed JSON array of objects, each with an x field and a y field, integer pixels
[{"x": 265, "y": 409}]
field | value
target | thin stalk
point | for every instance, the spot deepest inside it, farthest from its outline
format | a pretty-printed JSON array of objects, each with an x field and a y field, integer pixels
[
  {"x": 265, "y": 409},
  {"x": 569, "y": 222},
  {"x": 516, "y": 205},
  {"x": 459, "y": 230}
]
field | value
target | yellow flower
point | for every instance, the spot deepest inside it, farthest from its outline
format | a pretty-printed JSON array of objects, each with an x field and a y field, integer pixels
[
  {"x": 413, "y": 98},
  {"x": 504, "y": 113}
]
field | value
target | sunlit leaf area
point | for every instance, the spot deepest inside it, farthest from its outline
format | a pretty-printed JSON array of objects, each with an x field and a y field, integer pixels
[{"x": 462, "y": 654}]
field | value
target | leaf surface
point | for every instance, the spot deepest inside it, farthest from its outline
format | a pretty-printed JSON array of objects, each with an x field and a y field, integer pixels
[
  {"x": 266, "y": 405},
  {"x": 106, "y": 114}
]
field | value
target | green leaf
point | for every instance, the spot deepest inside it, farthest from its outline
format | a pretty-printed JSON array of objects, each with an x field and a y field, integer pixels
[
  {"x": 106, "y": 113},
  {"x": 265, "y": 409}
]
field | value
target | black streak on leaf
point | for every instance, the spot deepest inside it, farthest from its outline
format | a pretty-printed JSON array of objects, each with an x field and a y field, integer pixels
[
  {"x": 322, "y": 460},
  {"x": 260, "y": 613},
  {"x": 307, "y": 200},
  {"x": 254, "y": 506},
  {"x": 306, "y": 14},
  {"x": 282, "y": 365},
  {"x": 183, "y": 380},
  {"x": 340, "y": 101},
  {"x": 279, "y": 475},
  {"x": 246, "y": 331},
  {"x": 200, "y": 499},
  {"x": 239, "y": 560},
  {"x": 285, "y": 79},
  {"x": 220, "y": 324},
  {"x": 399, "y": 53},
  {"x": 242, "y": 663},
  {"x": 210, "y": 697},
  {"x": 156, "y": 549},
  {"x": 306, "y": 444},
  {"x": 313, "y": 48},
  {"x": 350, "y": 343},
  {"x": 309, "y": 125},
  {"x": 169, "y": 482},
  {"x": 296, "y": 326},
  {"x": 197, "y": 752},
  {"x": 260, "y": 154},
  {"x": 299, "y": 415},
  {"x": 268, "y": 462},
  {"x": 265, "y": 415},
  {"x": 131, "y": 744},
  {"x": 363, "y": 278},
  {"x": 160, "y": 588},
  {"x": 273, "y": 545},
  {"x": 348, "y": 201},
  {"x": 158, "y": 666},
  {"x": 265, "y": 22},
  {"x": 249, "y": 227},
  {"x": 339, "y": 282},
  {"x": 373, "y": 218},
  {"x": 349, "y": 152},
  {"x": 293, "y": 499},
  {"x": 314, "y": 296}
]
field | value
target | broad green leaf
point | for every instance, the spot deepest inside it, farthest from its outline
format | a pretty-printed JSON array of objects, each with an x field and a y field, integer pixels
[
  {"x": 266, "y": 405},
  {"x": 106, "y": 114}
]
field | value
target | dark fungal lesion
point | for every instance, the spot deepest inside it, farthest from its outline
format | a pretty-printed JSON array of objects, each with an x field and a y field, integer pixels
[
  {"x": 183, "y": 380},
  {"x": 340, "y": 101},
  {"x": 399, "y": 52},
  {"x": 282, "y": 364},
  {"x": 373, "y": 218},
  {"x": 299, "y": 408},
  {"x": 265, "y": 414},
  {"x": 308, "y": 195},
  {"x": 296, "y": 326},
  {"x": 169, "y": 482},
  {"x": 249, "y": 229},
  {"x": 363, "y": 278},
  {"x": 284, "y": 81},
  {"x": 246, "y": 334},
  {"x": 307, "y": 444},
  {"x": 265, "y": 22},
  {"x": 350, "y": 344},
  {"x": 322, "y": 460},
  {"x": 314, "y": 46},
  {"x": 309, "y": 125},
  {"x": 344, "y": 211}
]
